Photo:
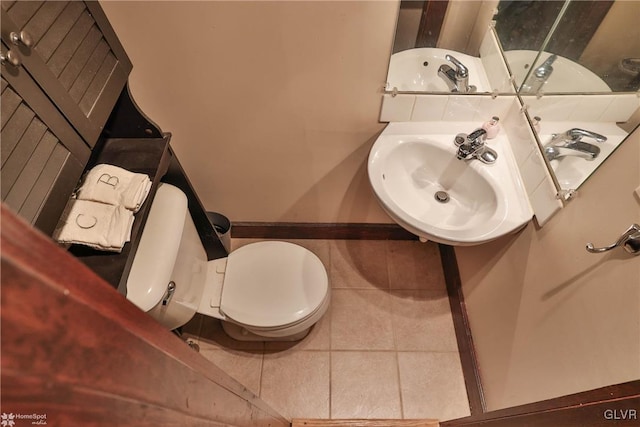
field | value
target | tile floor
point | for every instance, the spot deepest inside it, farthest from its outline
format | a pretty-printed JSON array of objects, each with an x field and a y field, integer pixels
[{"x": 385, "y": 349}]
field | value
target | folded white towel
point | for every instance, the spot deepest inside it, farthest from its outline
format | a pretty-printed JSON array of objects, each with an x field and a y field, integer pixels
[
  {"x": 98, "y": 225},
  {"x": 115, "y": 186}
]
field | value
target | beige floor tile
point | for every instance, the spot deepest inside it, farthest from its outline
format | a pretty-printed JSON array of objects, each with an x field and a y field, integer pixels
[
  {"x": 191, "y": 330},
  {"x": 244, "y": 366},
  {"x": 422, "y": 321},
  {"x": 296, "y": 383},
  {"x": 359, "y": 264},
  {"x": 364, "y": 385},
  {"x": 361, "y": 320},
  {"x": 319, "y": 338},
  {"x": 320, "y": 247},
  {"x": 415, "y": 265},
  {"x": 212, "y": 336},
  {"x": 432, "y": 385}
]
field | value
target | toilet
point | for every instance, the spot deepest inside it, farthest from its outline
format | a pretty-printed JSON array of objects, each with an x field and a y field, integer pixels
[{"x": 265, "y": 291}]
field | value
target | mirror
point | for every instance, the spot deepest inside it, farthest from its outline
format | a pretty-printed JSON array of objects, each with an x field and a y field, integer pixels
[
  {"x": 554, "y": 47},
  {"x": 571, "y": 46},
  {"x": 436, "y": 42}
]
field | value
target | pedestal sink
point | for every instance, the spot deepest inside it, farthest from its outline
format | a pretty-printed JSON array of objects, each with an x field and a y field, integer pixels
[{"x": 421, "y": 184}]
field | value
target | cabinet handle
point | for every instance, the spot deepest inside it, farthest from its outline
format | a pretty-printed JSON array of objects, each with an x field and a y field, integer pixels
[
  {"x": 11, "y": 58},
  {"x": 22, "y": 37},
  {"x": 629, "y": 240}
]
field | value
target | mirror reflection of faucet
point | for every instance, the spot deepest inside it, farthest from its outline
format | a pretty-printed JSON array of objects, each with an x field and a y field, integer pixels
[
  {"x": 570, "y": 143},
  {"x": 540, "y": 75},
  {"x": 472, "y": 146},
  {"x": 458, "y": 79}
]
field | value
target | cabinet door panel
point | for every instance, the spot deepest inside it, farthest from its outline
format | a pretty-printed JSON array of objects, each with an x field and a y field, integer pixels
[
  {"x": 28, "y": 176},
  {"x": 20, "y": 155},
  {"x": 72, "y": 41},
  {"x": 17, "y": 125},
  {"x": 9, "y": 104},
  {"x": 42, "y": 156},
  {"x": 38, "y": 24},
  {"x": 22, "y": 11},
  {"x": 75, "y": 57}
]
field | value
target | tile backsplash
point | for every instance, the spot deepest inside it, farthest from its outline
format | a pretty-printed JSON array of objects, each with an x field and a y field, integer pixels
[
  {"x": 494, "y": 65},
  {"x": 598, "y": 108},
  {"x": 420, "y": 108}
]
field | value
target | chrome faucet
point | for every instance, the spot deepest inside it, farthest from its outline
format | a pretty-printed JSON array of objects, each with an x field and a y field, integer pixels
[
  {"x": 570, "y": 143},
  {"x": 540, "y": 75},
  {"x": 472, "y": 146},
  {"x": 458, "y": 79}
]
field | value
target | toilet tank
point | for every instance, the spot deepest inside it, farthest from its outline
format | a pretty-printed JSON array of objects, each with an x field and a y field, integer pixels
[{"x": 169, "y": 252}]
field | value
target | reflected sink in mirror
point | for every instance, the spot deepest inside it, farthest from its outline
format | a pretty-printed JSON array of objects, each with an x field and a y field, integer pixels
[
  {"x": 566, "y": 75},
  {"x": 416, "y": 70},
  {"x": 572, "y": 170},
  {"x": 421, "y": 184}
]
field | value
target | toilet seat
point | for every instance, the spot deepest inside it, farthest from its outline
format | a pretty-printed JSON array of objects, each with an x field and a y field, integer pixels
[
  {"x": 309, "y": 320},
  {"x": 270, "y": 285},
  {"x": 276, "y": 289}
]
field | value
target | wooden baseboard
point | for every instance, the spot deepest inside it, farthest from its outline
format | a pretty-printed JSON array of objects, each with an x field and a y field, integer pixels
[
  {"x": 466, "y": 348},
  {"x": 297, "y": 230}
]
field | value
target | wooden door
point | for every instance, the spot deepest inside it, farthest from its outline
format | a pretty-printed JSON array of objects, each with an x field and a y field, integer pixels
[{"x": 78, "y": 353}]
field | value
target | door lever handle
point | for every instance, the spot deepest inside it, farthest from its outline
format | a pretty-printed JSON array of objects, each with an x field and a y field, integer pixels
[{"x": 630, "y": 242}]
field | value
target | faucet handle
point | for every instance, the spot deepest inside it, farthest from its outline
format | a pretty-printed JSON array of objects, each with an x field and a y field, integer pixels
[
  {"x": 461, "y": 70},
  {"x": 477, "y": 137},
  {"x": 576, "y": 134}
]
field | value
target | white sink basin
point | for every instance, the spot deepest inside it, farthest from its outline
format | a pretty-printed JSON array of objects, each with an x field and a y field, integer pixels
[
  {"x": 567, "y": 76},
  {"x": 408, "y": 72},
  {"x": 411, "y": 162}
]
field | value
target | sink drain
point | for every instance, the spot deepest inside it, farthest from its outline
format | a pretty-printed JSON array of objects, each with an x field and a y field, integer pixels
[{"x": 441, "y": 196}]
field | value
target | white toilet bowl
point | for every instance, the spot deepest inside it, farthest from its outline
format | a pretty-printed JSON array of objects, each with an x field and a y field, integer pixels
[{"x": 262, "y": 291}]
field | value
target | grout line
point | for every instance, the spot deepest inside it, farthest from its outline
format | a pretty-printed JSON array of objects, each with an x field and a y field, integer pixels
[
  {"x": 261, "y": 373},
  {"x": 330, "y": 382},
  {"x": 399, "y": 385},
  {"x": 339, "y": 350},
  {"x": 330, "y": 313},
  {"x": 199, "y": 335}
]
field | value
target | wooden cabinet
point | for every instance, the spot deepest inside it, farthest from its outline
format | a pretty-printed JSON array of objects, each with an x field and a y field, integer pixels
[
  {"x": 65, "y": 108},
  {"x": 69, "y": 48},
  {"x": 60, "y": 82},
  {"x": 42, "y": 155}
]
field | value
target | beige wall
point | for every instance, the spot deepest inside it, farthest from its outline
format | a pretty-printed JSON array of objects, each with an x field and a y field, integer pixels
[
  {"x": 465, "y": 25},
  {"x": 548, "y": 318},
  {"x": 273, "y": 106}
]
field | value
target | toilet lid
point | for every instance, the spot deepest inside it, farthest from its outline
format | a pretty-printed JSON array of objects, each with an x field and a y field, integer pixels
[{"x": 270, "y": 284}]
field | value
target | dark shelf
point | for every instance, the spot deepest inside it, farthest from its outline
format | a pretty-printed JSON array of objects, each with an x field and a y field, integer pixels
[{"x": 150, "y": 156}]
